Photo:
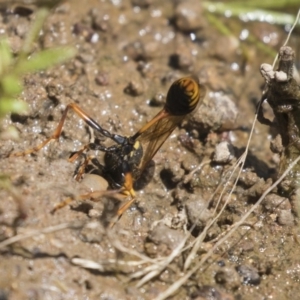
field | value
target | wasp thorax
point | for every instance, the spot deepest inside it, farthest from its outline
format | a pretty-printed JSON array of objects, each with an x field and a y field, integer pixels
[{"x": 183, "y": 96}]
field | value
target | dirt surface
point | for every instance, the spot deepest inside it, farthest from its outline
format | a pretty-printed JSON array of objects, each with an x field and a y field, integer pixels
[{"x": 129, "y": 53}]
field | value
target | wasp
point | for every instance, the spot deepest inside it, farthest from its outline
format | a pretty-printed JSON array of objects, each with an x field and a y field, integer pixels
[{"x": 127, "y": 158}]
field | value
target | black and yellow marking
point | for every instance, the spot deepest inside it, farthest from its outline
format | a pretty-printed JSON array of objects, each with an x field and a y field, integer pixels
[{"x": 183, "y": 96}]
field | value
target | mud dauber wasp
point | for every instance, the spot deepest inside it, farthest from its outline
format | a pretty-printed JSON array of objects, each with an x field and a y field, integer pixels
[{"x": 125, "y": 161}]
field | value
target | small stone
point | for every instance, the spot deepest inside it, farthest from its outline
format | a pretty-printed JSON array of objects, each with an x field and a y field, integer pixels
[
  {"x": 228, "y": 277},
  {"x": 217, "y": 112},
  {"x": 188, "y": 15},
  {"x": 273, "y": 202},
  {"x": 94, "y": 213},
  {"x": 197, "y": 212},
  {"x": 92, "y": 232},
  {"x": 94, "y": 182},
  {"x": 216, "y": 48},
  {"x": 54, "y": 89},
  {"x": 134, "y": 88},
  {"x": 102, "y": 79},
  {"x": 224, "y": 153},
  {"x": 163, "y": 235},
  {"x": 63, "y": 8},
  {"x": 86, "y": 57},
  {"x": 136, "y": 51},
  {"x": 285, "y": 217},
  {"x": 249, "y": 274},
  {"x": 248, "y": 178}
]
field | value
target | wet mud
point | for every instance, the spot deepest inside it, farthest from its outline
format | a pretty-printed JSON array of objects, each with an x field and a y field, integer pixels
[{"x": 128, "y": 55}]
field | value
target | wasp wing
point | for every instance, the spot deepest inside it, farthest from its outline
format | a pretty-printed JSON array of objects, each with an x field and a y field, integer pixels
[
  {"x": 154, "y": 134},
  {"x": 183, "y": 98}
]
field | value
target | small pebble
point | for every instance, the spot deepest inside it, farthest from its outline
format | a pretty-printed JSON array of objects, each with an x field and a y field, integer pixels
[
  {"x": 92, "y": 232},
  {"x": 216, "y": 47},
  {"x": 134, "y": 88},
  {"x": 285, "y": 217},
  {"x": 163, "y": 234},
  {"x": 228, "y": 277},
  {"x": 249, "y": 274},
  {"x": 86, "y": 57},
  {"x": 188, "y": 15},
  {"x": 94, "y": 182},
  {"x": 217, "y": 112},
  {"x": 54, "y": 89},
  {"x": 224, "y": 153},
  {"x": 102, "y": 79},
  {"x": 136, "y": 51},
  {"x": 248, "y": 178},
  {"x": 273, "y": 202},
  {"x": 197, "y": 212},
  {"x": 94, "y": 213}
]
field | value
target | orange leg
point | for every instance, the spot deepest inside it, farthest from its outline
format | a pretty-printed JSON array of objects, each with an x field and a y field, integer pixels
[
  {"x": 82, "y": 168},
  {"x": 78, "y": 153},
  {"x": 128, "y": 191},
  {"x": 93, "y": 196},
  {"x": 83, "y": 115}
]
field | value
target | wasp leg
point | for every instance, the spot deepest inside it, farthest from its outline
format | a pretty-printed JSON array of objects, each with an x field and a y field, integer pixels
[
  {"x": 78, "y": 153},
  {"x": 127, "y": 190},
  {"x": 82, "y": 168},
  {"x": 61, "y": 205},
  {"x": 91, "y": 122},
  {"x": 93, "y": 196},
  {"x": 92, "y": 146}
]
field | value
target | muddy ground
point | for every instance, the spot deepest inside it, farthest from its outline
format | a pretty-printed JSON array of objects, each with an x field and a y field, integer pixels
[{"x": 129, "y": 53}]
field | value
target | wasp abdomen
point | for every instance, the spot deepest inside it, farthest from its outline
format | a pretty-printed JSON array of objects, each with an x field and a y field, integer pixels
[{"x": 184, "y": 96}]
